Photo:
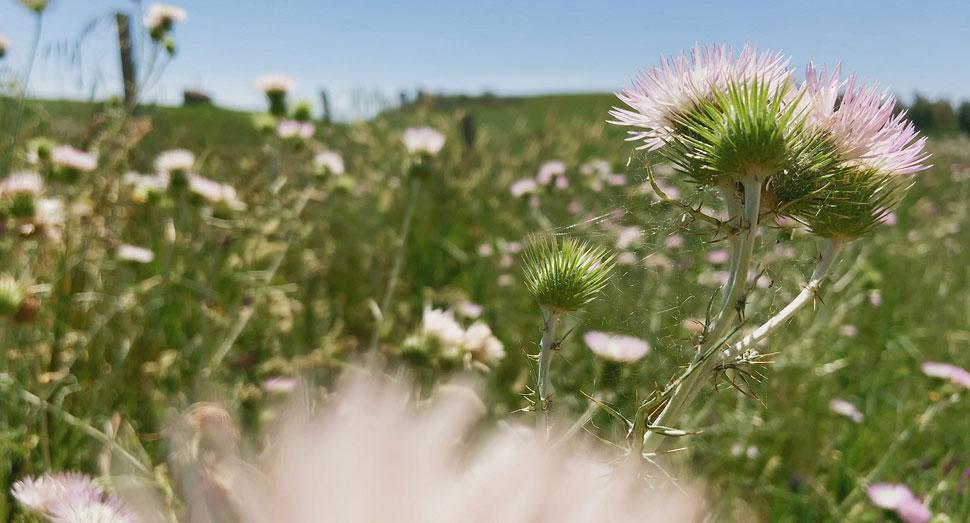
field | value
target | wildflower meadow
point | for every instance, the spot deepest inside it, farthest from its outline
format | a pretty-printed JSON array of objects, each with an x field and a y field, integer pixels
[{"x": 736, "y": 289}]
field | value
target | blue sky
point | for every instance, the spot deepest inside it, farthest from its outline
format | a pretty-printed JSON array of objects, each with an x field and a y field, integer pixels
[{"x": 506, "y": 46}]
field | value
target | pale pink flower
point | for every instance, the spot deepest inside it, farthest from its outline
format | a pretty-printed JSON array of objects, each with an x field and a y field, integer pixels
[
  {"x": 441, "y": 325},
  {"x": 23, "y": 182},
  {"x": 67, "y": 157},
  {"x": 888, "y": 218},
  {"x": 485, "y": 250},
  {"x": 280, "y": 384},
  {"x": 174, "y": 161},
  {"x": 575, "y": 207},
  {"x": 468, "y": 309},
  {"x": 598, "y": 167},
  {"x": 616, "y": 347},
  {"x": 110, "y": 510},
  {"x": 898, "y": 497},
  {"x": 713, "y": 278},
  {"x": 329, "y": 162},
  {"x": 626, "y": 258},
  {"x": 215, "y": 192},
  {"x": 628, "y": 237},
  {"x": 523, "y": 187},
  {"x": 549, "y": 171},
  {"x": 616, "y": 180},
  {"x": 40, "y": 494},
  {"x": 481, "y": 344},
  {"x": 292, "y": 129},
  {"x": 875, "y": 298},
  {"x": 848, "y": 330},
  {"x": 862, "y": 124},
  {"x": 844, "y": 408},
  {"x": 423, "y": 140},
  {"x": 661, "y": 95},
  {"x": 675, "y": 241},
  {"x": 275, "y": 84},
  {"x": 718, "y": 257},
  {"x": 956, "y": 375}
]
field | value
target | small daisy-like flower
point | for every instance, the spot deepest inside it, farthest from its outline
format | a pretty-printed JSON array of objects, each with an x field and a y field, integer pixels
[
  {"x": 844, "y": 408},
  {"x": 328, "y": 162},
  {"x": 136, "y": 254},
  {"x": 616, "y": 347},
  {"x": 957, "y": 375},
  {"x": 523, "y": 187},
  {"x": 423, "y": 140},
  {"x": 275, "y": 83},
  {"x": 70, "y": 162},
  {"x": 661, "y": 97},
  {"x": 295, "y": 129},
  {"x": 280, "y": 384},
  {"x": 160, "y": 19},
  {"x": 481, "y": 344},
  {"x": 43, "y": 493}
]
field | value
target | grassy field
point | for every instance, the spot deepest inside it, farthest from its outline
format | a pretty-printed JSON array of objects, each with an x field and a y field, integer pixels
[{"x": 287, "y": 288}]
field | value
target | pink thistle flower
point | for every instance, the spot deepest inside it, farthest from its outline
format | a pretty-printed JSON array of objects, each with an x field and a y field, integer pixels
[
  {"x": 898, "y": 497},
  {"x": 523, "y": 187},
  {"x": 844, "y": 408},
  {"x": 718, "y": 257},
  {"x": 616, "y": 347},
  {"x": 280, "y": 384},
  {"x": 676, "y": 87},
  {"x": 423, "y": 140},
  {"x": 674, "y": 242},
  {"x": 575, "y": 207},
  {"x": 275, "y": 83},
  {"x": 42, "y": 493},
  {"x": 956, "y": 375},
  {"x": 549, "y": 171}
]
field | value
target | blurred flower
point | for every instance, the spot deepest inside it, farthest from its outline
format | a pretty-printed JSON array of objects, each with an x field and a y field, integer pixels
[
  {"x": 848, "y": 330},
  {"x": 626, "y": 258},
  {"x": 713, "y": 278},
  {"x": 574, "y": 207},
  {"x": 889, "y": 219},
  {"x": 468, "y": 309},
  {"x": 523, "y": 187},
  {"x": 280, "y": 384},
  {"x": 616, "y": 180},
  {"x": 12, "y": 295},
  {"x": 549, "y": 171},
  {"x": 675, "y": 241},
  {"x": 44, "y": 493},
  {"x": 956, "y": 375},
  {"x": 215, "y": 192},
  {"x": 661, "y": 96},
  {"x": 597, "y": 167},
  {"x": 290, "y": 129},
  {"x": 70, "y": 162},
  {"x": 485, "y": 250},
  {"x": 328, "y": 162},
  {"x": 423, "y": 140},
  {"x": 174, "y": 163},
  {"x": 145, "y": 185},
  {"x": 481, "y": 344},
  {"x": 160, "y": 19},
  {"x": 844, "y": 408},
  {"x": 275, "y": 84},
  {"x": 628, "y": 237},
  {"x": 36, "y": 6},
  {"x": 442, "y": 326},
  {"x": 875, "y": 297},
  {"x": 899, "y": 498},
  {"x": 718, "y": 257},
  {"x": 616, "y": 347},
  {"x": 135, "y": 254},
  {"x": 19, "y": 192},
  {"x": 4, "y": 44}
]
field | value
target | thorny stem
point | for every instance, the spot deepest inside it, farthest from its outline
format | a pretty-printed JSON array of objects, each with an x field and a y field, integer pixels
[
  {"x": 704, "y": 360},
  {"x": 398, "y": 261},
  {"x": 825, "y": 263},
  {"x": 550, "y": 320}
]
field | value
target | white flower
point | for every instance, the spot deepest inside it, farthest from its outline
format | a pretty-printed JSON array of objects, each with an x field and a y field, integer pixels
[
  {"x": 523, "y": 187},
  {"x": 40, "y": 494},
  {"x": 469, "y": 309},
  {"x": 68, "y": 157},
  {"x": 288, "y": 129},
  {"x": 174, "y": 161},
  {"x": 483, "y": 346},
  {"x": 275, "y": 83},
  {"x": 215, "y": 192},
  {"x": 145, "y": 184},
  {"x": 329, "y": 162},
  {"x": 441, "y": 325},
  {"x": 844, "y": 408},
  {"x": 160, "y": 15},
  {"x": 616, "y": 347},
  {"x": 425, "y": 140},
  {"x": 135, "y": 254},
  {"x": 550, "y": 170},
  {"x": 280, "y": 384},
  {"x": 24, "y": 182}
]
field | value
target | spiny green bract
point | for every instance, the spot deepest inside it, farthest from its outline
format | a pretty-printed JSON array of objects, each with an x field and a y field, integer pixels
[
  {"x": 851, "y": 203},
  {"x": 744, "y": 130},
  {"x": 564, "y": 274}
]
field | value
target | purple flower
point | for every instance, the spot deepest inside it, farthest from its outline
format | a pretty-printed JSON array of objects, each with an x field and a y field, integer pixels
[
  {"x": 957, "y": 375},
  {"x": 616, "y": 347}
]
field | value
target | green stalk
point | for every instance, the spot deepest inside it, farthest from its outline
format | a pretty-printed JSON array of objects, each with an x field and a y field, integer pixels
[
  {"x": 704, "y": 361},
  {"x": 22, "y": 101},
  {"x": 550, "y": 321},
  {"x": 398, "y": 260}
]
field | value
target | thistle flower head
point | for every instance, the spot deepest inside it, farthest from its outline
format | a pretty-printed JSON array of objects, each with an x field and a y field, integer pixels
[
  {"x": 564, "y": 274},
  {"x": 276, "y": 87},
  {"x": 37, "y": 6},
  {"x": 661, "y": 97},
  {"x": 69, "y": 162},
  {"x": 176, "y": 161},
  {"x": 423, "y": 140},
  {"x": 328, "y": 162},
  {"x": 160, "y": 19},
  {"x": 481, "y": 344},
  {"x": 19, "y": 192},
  {"x": 45, "y": 493},
  {"x": 215, "y": 193},
  {"x": 4, "y": 44},
  {"x": 616, "y": 347},
  {"x": 295, "y": 130},
  {"x": 39, "y": 150},
  {"x": 12, "y": 295}
]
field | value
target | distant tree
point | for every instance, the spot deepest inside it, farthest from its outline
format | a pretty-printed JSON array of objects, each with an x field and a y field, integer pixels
[
  {"x": 921, "y": 113},
  {"x": 934, "y": 117},
  {"x": 963, "y": 117}
]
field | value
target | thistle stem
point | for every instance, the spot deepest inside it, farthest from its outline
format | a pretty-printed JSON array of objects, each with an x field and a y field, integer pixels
[
  {"x": 398, "y": 260},
  {"x": 742, "y": 248},
  {"x": 825, "y": 263},
  {"x": 550, "y": 321}
]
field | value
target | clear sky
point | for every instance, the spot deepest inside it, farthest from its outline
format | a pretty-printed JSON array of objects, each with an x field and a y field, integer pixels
[{"x": 506, "y": 46}]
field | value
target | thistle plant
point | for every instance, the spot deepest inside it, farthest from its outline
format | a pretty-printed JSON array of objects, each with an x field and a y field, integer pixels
[
  {"x": 740, "y": 124},
  {"x": 563, "y": 275}
]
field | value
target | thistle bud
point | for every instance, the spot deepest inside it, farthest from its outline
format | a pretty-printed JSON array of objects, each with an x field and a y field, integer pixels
[
  {"x": 564, "y": 274},
  {"x": 37, "y": 6},
  {"x": 12, "y": 296},
  {"x": 302, "y": 111},
  {"x": 276, "y": 87}
]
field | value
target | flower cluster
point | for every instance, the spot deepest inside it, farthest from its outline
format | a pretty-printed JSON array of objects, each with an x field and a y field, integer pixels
[
  {"x": 160, "y": 20},
  {"x": 443, "y": 341},
  {"x": 838, "y": 163}
]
